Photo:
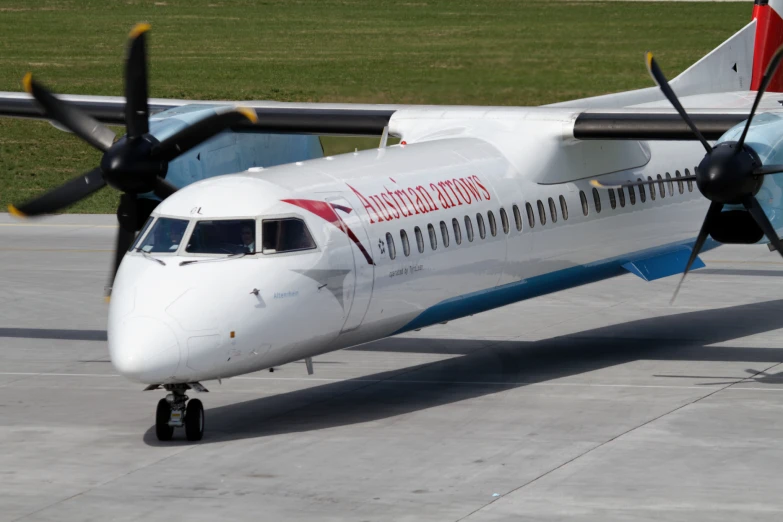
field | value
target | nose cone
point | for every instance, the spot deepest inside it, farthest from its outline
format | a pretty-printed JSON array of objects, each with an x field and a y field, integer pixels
[{"x": 144, "y": 349}]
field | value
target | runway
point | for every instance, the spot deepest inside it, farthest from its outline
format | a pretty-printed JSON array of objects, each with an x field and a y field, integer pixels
[{"x": 601, "y": 403}]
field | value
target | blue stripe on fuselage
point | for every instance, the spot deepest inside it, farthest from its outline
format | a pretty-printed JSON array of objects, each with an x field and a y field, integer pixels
[{"x": 483, "y": 300}]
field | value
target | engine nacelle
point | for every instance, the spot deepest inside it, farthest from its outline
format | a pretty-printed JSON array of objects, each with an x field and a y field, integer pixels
[{"x": 736, "y": 227}]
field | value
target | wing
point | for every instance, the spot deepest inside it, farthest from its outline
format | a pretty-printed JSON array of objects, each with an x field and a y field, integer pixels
[{"x": 274, "y": 117}]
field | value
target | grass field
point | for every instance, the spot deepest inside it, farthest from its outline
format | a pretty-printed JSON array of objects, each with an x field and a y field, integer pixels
[{"x": 482, "y": 52}]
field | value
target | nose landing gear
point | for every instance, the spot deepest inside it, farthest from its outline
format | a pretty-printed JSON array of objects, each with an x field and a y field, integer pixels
[{"x": 176, "y": 412}]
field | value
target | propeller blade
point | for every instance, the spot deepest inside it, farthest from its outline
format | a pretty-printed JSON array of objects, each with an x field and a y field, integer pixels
[
  {"x": 127, "y": 216},
  {"x": 752, "y": 204},
  {"x": 712, "y": 213},
  {"x": 163, "y": 188},
  {"x": 626, "y": 184},
  {"x": 199, "y": 132},
  {"x": 63, "y": 196},
  {"x": 136, "y": 108},
  {"x": 768, "y": 74},
  {"x": 67, "y": 115},
  {"x": 660, "y": 79},
  {"x": 768, "y": 169}
]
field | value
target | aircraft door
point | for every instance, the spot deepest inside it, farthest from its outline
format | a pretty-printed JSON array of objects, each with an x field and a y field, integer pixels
[{"x": 361, "y": 292}]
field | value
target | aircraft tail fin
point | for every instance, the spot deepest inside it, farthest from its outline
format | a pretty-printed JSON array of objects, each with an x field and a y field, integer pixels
[{"x": 730, "y": 67}]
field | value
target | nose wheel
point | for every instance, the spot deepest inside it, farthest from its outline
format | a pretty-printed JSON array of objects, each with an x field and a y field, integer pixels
[{"x": 175, "y": 411}]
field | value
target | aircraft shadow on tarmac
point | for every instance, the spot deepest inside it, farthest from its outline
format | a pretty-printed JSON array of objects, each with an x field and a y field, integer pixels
[{"x": 489, "y": 368}]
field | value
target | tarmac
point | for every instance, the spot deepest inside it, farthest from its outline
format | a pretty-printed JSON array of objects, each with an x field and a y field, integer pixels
[{"x": 599, "y": 403}]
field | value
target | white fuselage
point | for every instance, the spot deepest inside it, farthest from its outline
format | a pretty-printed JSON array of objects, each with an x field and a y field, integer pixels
[{"x": 224, "y": 316}]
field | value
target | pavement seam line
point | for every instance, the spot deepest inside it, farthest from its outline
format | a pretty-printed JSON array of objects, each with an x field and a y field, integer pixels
[{"x": 650, "y": 421}]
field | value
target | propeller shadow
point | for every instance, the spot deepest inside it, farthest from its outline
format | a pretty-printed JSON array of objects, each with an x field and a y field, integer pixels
[{"x": 486, "y": 367}]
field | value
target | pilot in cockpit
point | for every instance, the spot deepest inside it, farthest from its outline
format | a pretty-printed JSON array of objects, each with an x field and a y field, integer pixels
[{"x": 248, "y": 238}]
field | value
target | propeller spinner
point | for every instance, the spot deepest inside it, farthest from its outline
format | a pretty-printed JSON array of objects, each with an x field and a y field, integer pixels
[
  {"x": 731, "y": 173},
  {"x": 134, "y": 164}
]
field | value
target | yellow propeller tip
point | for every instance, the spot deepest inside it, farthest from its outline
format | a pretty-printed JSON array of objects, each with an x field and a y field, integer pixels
[
  {"x": 107, "y": 299},
  {"x": 649, "y": 58},
  {"x": 139, "y": 29},
  {"x": 596, "y": 183},
  {"x": 248, "y": 113},
  {"x": 27, "y": 83},
  {"x": 16, "y": 212}
]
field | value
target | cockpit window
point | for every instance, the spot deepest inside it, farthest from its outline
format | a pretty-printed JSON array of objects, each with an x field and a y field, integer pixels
[
  {"x": 285, "y": 235},
  {"x": 224, "y": 236},
  {"x": 141, "y": 234},
  {"x": 165, "y": 236}
]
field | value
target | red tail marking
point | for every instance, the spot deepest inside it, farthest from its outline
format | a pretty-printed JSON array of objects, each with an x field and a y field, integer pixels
[{"x": 769, "y": 36}]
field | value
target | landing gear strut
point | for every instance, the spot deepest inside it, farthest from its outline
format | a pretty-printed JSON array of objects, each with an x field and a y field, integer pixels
[{"x": 176, "y": 412}]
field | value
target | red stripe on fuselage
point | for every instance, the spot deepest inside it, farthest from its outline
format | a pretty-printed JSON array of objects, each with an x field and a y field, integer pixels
[{"x": 326, "y": 211}]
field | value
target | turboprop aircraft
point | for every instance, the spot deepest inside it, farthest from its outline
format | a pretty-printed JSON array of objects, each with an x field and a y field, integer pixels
[{"x": 476, "y": 208}]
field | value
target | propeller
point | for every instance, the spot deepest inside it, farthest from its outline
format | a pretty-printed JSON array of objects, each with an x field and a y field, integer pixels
[
  {"x": 731, "y": 172},
  {"x": 134, "y": 164}
]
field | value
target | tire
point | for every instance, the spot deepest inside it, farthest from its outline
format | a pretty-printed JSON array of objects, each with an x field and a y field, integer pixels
[
  {"x": 162, "y": 415},
  {"x": 194, "y": 420}
]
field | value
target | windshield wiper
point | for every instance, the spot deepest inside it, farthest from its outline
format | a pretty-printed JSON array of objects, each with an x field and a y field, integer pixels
[
  {"x": 232, "y": 256},
  {"x": 147, "y": 256}
]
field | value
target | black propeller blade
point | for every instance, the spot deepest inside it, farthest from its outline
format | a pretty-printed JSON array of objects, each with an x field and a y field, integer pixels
[
  {"x": 63, "y": 196},
  {"x": 136, "y": 163}
]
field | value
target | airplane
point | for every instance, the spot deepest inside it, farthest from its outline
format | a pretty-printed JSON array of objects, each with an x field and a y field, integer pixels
[{"x": 296, "y": 255}]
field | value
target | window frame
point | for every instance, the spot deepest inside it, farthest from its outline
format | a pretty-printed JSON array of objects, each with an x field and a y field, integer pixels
[
  {"x": 612, "y": 199},
  {"x": 482, "y": 228},
  {"x": 651, "y": 186},
  {"x": 517, "y": 217},
  {"x": 583, "y": 200},
  {"x": 444, "y": 234},
  {"x": 621, "y": 196},
  {"x": 563, "y": 207},
  {"x": 642, "y": 192},
  {"x": 406, "y": 246},
  {"x": 680, "y": 184},
  {"x": 469, "y": 229},
  {"x": 531, "y": 216},
  {"x": 504, "y": 221},
  {"x": 457, "y": 231},
  {"x": 433, "y": 236},
  {"x": 260, "y": 239},
  {"x": 419, "y": 239},
  {"x": 597, "y": 200},
  {"x": 392, "y": 249},
  {"x": 541, "y": 212}
]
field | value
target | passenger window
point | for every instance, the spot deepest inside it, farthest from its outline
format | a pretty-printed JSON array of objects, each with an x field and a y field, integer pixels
[
  {"x": 690, "y": 182},
  {"x": 390, "y": 244},
  {"x": 661, "y": 186},
  {"x": 597, "y": 199},
  {"x": 406, "y": 247},
  {"x": 652, "y": 188},
  {"x": 419, "y": 239},
  {"x": 680, "y": 186},
  {"x": 457, "y": 231},
  {"x": 531, "y": 218},
  {"x": 517, "y": 218},
  {"x": 493, "y": 228},
  {"x": 166, "y": 235},
  {"x": 563, "y": 208},
  {"x": 433, "y": 237},
  {"x": 552, "y": 210},
  {"x": 541, "y": 213},
  {"x": 480, "y": 223},
  {"x": 504, "y": 220},
  {"x": 670, "y": 184},
  {"x": 642, "y": 194},
  {"x": 612, "y": 199},
  {"x": 469, "y": 228},
  {"x": 444, "y": 233},
  {"x": 583, "y": 199},
  {"x": 285, "y": 235},
  {"x": 632, "y": 195},
  {"x": 621, "y": 197}
]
